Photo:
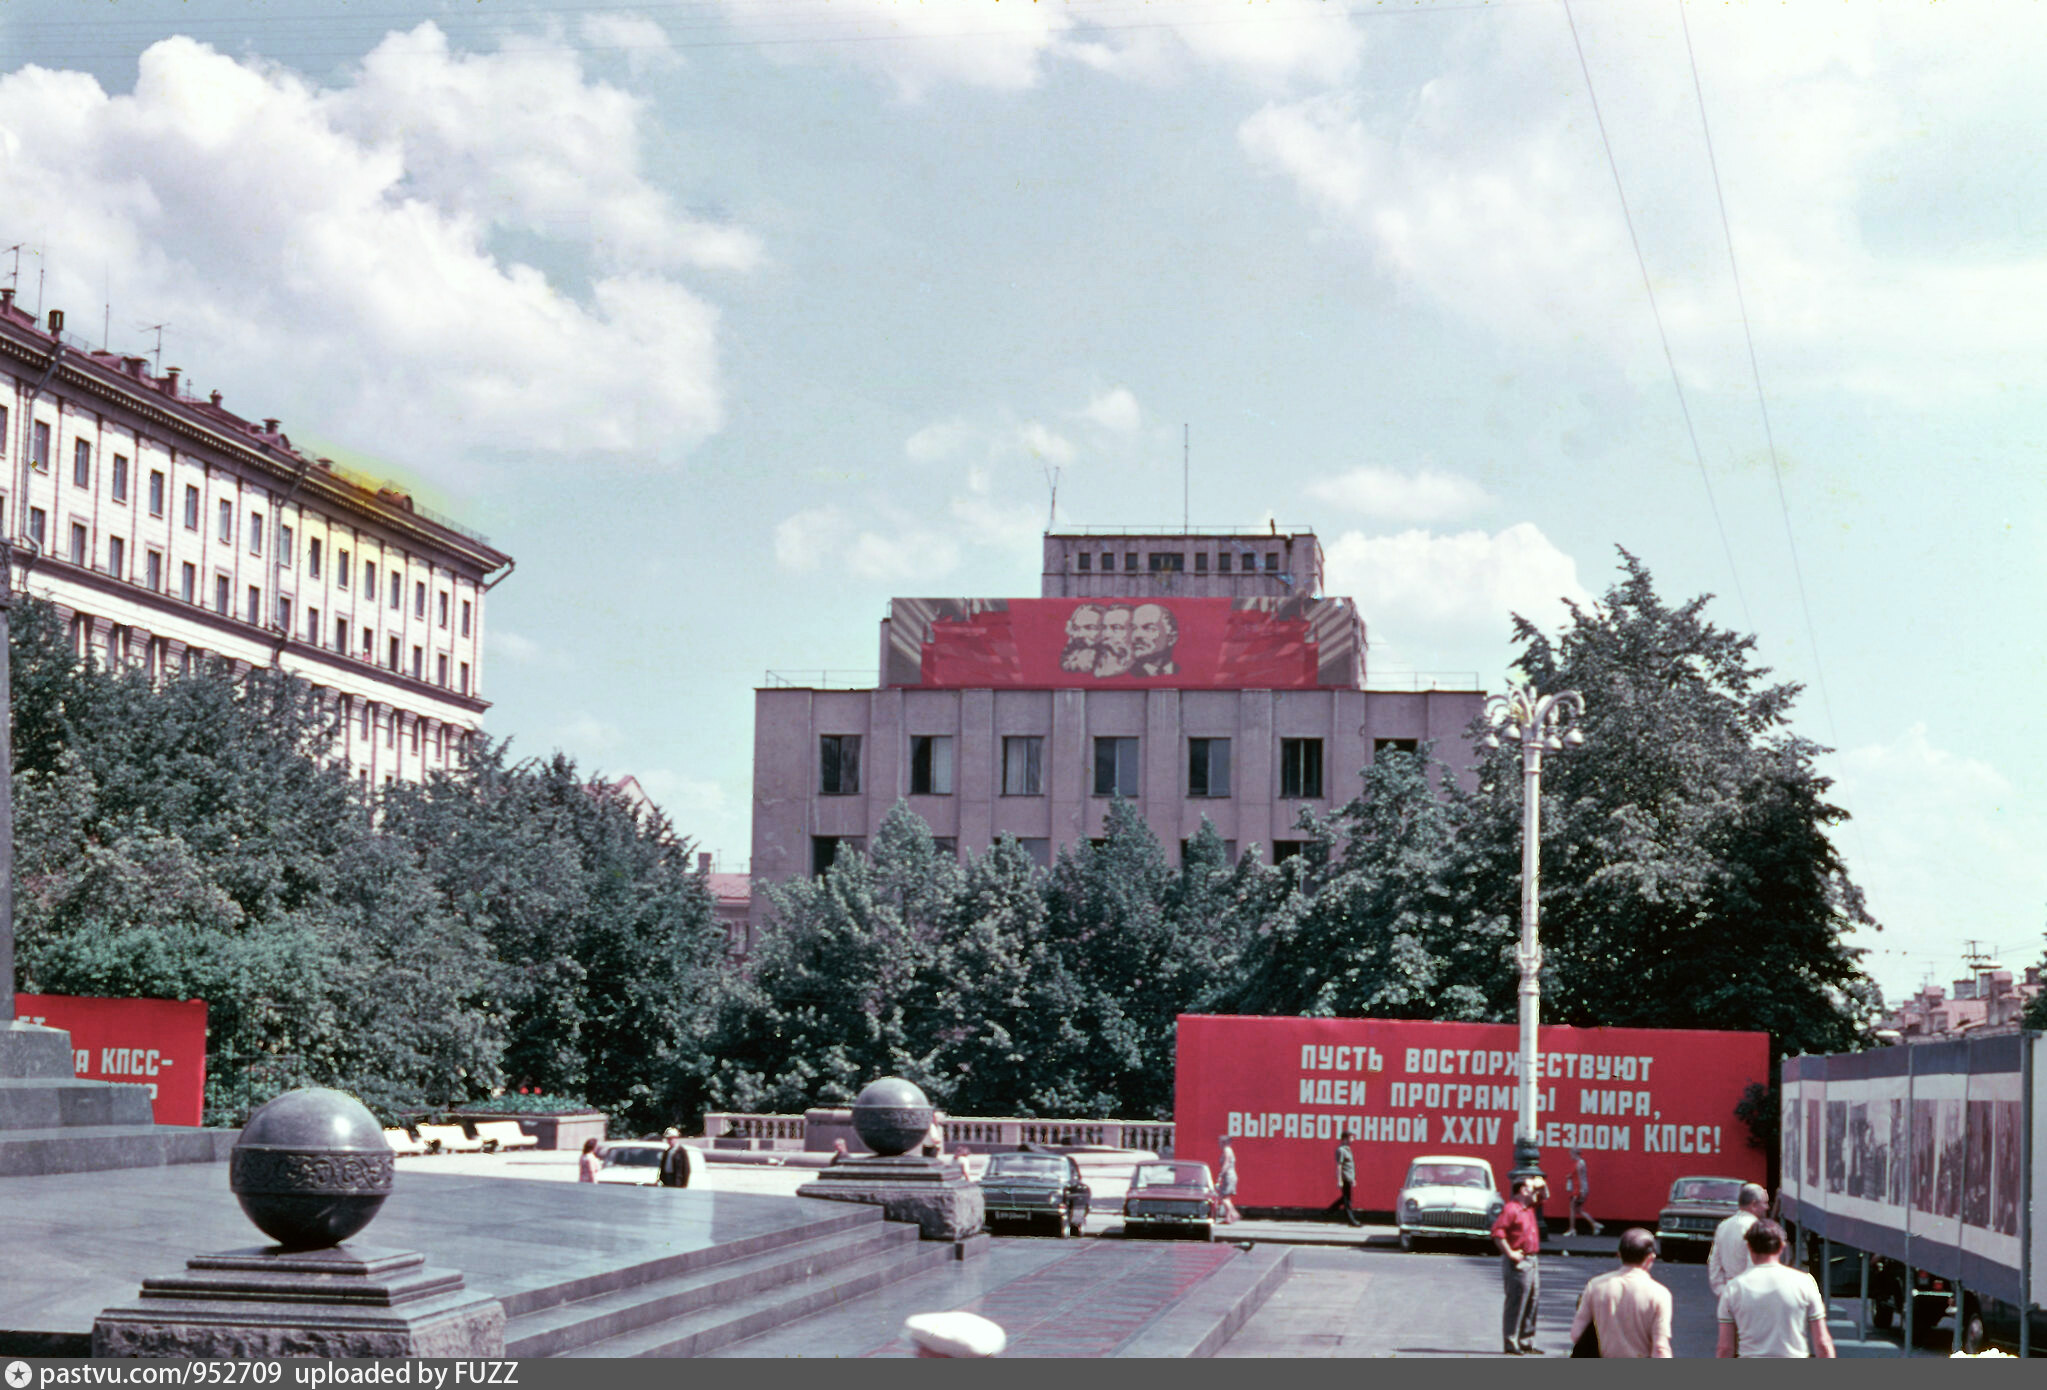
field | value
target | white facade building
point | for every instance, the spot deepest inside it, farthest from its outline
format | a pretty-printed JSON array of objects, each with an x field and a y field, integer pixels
[{"x": 167, "y": 528}]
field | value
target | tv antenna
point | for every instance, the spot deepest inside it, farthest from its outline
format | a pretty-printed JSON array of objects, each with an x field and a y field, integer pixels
[
  {"x": 14, "y": 275},
  {"x": 1052, "y": 482},
  {"x": 156, "y": 353}
]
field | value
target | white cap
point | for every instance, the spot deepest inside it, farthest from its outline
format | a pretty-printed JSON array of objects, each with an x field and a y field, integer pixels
[{"x": 954, "y": 1334}]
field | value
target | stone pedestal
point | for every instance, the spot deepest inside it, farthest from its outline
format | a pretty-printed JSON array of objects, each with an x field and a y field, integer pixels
[
  {"x": 935, "y": 1193},
  {"x": 345, "y": 1301},
  {"x": 52, "y": 1121}
]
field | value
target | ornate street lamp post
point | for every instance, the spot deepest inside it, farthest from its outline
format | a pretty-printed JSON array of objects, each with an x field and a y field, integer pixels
[{"x": 1538, "y": 724}]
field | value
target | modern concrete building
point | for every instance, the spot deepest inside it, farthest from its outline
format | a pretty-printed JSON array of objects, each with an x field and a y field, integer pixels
[
  {"x": 167, "y": 528},
  {"x": 1197, "y": 675}
]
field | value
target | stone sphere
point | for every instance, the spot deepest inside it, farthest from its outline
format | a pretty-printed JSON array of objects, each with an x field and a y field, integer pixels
[
  {"x": 311, "y": 1168},
  {"x": 892, "y": 1116}
]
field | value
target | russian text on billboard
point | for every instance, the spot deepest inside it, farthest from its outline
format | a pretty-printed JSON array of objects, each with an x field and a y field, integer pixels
[{"x": 158, "y": 1043}]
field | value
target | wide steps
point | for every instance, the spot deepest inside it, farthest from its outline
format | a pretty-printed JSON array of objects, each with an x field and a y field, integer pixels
[
  {"x": 698, "y": 1312},
  {"x": 100, "y": 1148},
  {"x": 43, "y": 1103}
]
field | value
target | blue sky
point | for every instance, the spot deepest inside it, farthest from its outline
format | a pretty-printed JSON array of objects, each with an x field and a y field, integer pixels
[{"x": 730, "y": 320}]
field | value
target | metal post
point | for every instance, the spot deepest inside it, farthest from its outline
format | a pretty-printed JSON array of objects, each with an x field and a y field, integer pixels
[
  {"x": 1862, "y": 1303},
  {"x": 2027, "y": 1043},
  {"x": 1905, "y": 1279},
  {"x": 1826, "y": 1275}
]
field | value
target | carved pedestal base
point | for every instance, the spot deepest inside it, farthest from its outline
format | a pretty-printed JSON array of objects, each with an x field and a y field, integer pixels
[
  {"x": 340, "y": 1302},
  {"x": 935, "y": 1193}
]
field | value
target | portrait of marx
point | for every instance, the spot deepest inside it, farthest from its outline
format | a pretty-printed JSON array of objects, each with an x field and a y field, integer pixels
[{"x": 1105, "y": 640}]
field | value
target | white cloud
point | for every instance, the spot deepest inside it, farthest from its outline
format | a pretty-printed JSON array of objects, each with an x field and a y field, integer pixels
[
  {"x": 586, "y": 737},
  {"x": 329, "y": 250},
  {"x": 1046, "y": 445},
  {"x": 643, "y": 42},
  {"x": 804, "y": 541},
  {"x": 906, "y": 554},
  {"x": 937, "y": 441},
  {"x": 1946, "y": 850},
  {"x": 1115, "y": 410},
  {"x": 1421, "y": 496},
  {"x": 1484, "y": 187},
  {"x": 509, "y": 645}
]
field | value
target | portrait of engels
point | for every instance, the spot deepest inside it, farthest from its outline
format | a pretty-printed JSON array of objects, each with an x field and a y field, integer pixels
[{"x": 1121, "y": 639}]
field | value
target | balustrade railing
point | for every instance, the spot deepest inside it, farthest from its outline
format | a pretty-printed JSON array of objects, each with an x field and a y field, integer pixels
[{"x": 789, "y": 1131}]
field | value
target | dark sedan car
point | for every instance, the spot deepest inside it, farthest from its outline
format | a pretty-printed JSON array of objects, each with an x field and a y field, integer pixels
[
  {"x": 1696, "y": 1208},
  {"x": 1171, "y": 1196},
  {"x": 1040, "y": 1189}
]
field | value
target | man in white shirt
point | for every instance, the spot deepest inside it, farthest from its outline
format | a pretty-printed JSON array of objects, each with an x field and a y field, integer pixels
[
  {"x": 1729, "y": 1259},
  {"x": 1627, "y": 1305},
  {"x": 1773, "y": 1310}
]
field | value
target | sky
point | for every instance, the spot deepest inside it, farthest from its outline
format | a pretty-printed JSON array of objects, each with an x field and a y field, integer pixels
[{"x": 730, "y": 319}]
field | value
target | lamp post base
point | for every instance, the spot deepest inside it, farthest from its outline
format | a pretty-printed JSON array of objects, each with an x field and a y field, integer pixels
[{"x": 1527, "y": 1162}]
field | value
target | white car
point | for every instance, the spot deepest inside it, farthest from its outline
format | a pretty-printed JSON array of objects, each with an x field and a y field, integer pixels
[
  {"x": 1447, "y": 1196},
  {"x": 636, "y": 1161}
]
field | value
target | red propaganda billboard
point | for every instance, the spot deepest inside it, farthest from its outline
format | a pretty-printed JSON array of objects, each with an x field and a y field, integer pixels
[
  {"x": 1126, "y": 643},
  {"x": 160, "y": 1043},
  {"x": 1645, "y": 1106}
]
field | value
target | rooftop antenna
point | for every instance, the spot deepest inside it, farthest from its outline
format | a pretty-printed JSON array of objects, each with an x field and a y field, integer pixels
[
  {"x": 1052, "y": 481},
  {"x": 1975, "y": 957},
  {"x": 156, "y": 368},
  {"x": 14, "y": 275},
  {"x": 107, "y": 307},
  {"x": 1184, "y": 530}
]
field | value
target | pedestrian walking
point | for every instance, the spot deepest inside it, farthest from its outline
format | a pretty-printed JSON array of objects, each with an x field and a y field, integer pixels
[
  {"x": 1628, "y": 1308},
  {"x": 1519, "y": 1240},
  {"x": 1772, "y": 1309},
  {"x": 1346, "y": 1179},
  {"x": 1226, "y": 1181},
  {"x": 1579, "y": 1187},
  {"x": 675, "y": 1161},
  {"x": 1728, "y": 1260},
  {"x": 588, "y": 1162}
]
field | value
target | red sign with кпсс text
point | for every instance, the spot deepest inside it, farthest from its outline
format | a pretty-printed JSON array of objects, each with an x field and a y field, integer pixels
[
  {"x": 158, "y": 1043},
  {"x": 1644, "y": 1106}
]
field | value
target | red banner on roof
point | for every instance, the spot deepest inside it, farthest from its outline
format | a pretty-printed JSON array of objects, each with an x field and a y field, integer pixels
[
  {"x": 1179, "y": 643},
  {"x": 159, "y": 1043}
]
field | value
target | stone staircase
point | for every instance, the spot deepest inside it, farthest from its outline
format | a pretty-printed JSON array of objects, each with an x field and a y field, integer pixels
[
  {"x": 53, "y": 1122},
  {"x": 692, "y": 1304}
]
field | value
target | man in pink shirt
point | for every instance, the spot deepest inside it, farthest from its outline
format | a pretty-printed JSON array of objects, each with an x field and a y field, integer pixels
[
  {"x": 1627, "y": 1305},
  {"x": 1519, "y": 1240}
]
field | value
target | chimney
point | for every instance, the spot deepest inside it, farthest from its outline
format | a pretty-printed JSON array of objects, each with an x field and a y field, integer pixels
[
  {"x": 270, "y": 426},
  {"x": 7, "y": 298},
  {"x": 703, "y": 861},
  {"x": 170, "y": 381},
  {"x": 56, "y": 323},
  {"x": 215, "y": 398}
]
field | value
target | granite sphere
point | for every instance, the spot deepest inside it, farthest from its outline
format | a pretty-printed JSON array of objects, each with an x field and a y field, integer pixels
[
  {"x": 311, "y": 1168},
  {"x": 892, "y": 1116}
]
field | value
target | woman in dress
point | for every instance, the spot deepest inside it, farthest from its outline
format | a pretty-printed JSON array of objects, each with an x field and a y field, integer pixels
[
  {"x": 1226, "y": 1182},
  {"x": 589, "y": 1163}
]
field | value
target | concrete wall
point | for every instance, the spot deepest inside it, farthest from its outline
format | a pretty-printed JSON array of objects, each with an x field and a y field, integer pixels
[{"x": 1299, "y": 556}]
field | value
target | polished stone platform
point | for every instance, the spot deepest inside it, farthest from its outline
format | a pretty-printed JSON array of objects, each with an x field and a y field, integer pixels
[{"x": 77, "y": 1243}]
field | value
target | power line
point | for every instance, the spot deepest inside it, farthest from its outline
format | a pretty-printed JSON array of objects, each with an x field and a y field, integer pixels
[
  {"x": 1641, "y": 262},
  {"x": 1756, "y": 373}
]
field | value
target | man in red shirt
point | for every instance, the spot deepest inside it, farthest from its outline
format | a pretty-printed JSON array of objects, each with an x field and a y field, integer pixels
[{"x": 1519, "y": 1238}]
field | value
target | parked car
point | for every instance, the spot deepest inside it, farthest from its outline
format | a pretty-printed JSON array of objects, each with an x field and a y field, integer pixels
[
  {"x": 1171, "y": 1196},
  {"x": 635, "y": 1161},
  {"x": 1695, "y": 1210},
  {"x": 1035, "y": 1188},
  {"x": 1447, "y": 1195}
]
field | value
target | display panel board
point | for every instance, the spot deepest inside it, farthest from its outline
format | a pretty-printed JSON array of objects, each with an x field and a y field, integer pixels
[
  {"x": 1920, "y": 1153},
  {"x": 1645, "y": 1106},
  {"x": 159, "y": 1043},
  {"x": 1125, "y": 643}
]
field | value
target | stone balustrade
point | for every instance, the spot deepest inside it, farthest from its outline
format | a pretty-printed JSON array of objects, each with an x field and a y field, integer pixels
[{"x": 814, "y": 1131}]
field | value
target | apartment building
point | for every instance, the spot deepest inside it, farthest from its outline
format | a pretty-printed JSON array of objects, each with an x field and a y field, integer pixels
[
  {"x": 1195, "y": 675},
  {"x": 168, "y": 529}
]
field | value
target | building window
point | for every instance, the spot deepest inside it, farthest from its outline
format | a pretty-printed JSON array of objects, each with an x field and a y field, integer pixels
[
  {"x": 1222, "y": 563},
  {"x": 341, "y": 568},
  {"x": 418, "y": 600},
  {"x": 930, "y": 765},
  {"x": 442, "y": 599},
  {"x": 313, "y": 558},
  {"x": 37, "y": 525},
  {"x": 81, "y": 463},
  {"x": 153, "y": 566},
  {"x": 1038, "y": 848},
  {"x": 1201, "y": 562},
  {"x": 1395, "y": 745},
  {"x": 825, "y": 850},
  {"x": 391, "y": 725},
  {"x": 3, "y": 431},
  {"x": 117, "y": 557},
  {"x": 465, "y": 617},
  {"x": 39, "y": 446},
  {"x": 369, "y": 581},
  {"x": 341, "y": 635},
  {"x": 838, "y": 762},
  {"x": 255, "y": 533},
  {"x": 77, "y": 544},
  {"x": 1300, "y": 768},
  {"x": 313, "y": 626},
  {"x": 1115, "y": 767},
  {"x": 397, "y": 591},
  {"x": 255, "y": 604},
  {"x": 1283, "y": 850},
  {"x": 191, "y": 507},
  {"x": 188, "y": 583},
  {"x": 1272, "y": 564},
  {"x": 946, "y": 844},
  {"x": 441, "y": 670},
  {"x": 1167, "y": 562},
  {"x": 415, "y": 735},
  {"x": 369, "y": 645},
  {"x": 463, "y": 686},
  {"x": 393, "y": 648},
  {"x": 1108, "y": 561},
  {"x": 227, "y": 521},
  {"x": 1023, "y": 765},
  {"x": 1208, "y": 767},
  {"x": 283, "y": 614},
  {"x": 120, "y": 480},
  {"x": 1229, "y": 852},
  {"x": 222, "y": 594},
  {"x": 156, "y": 492},
  {"x": 1130, "y": 561},
  {"x": 1084, "y": 562},
  {"x": 365, "y": 721},
  {"x": 284, "y": 545},
  {"x": 418, "y": 663}
]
